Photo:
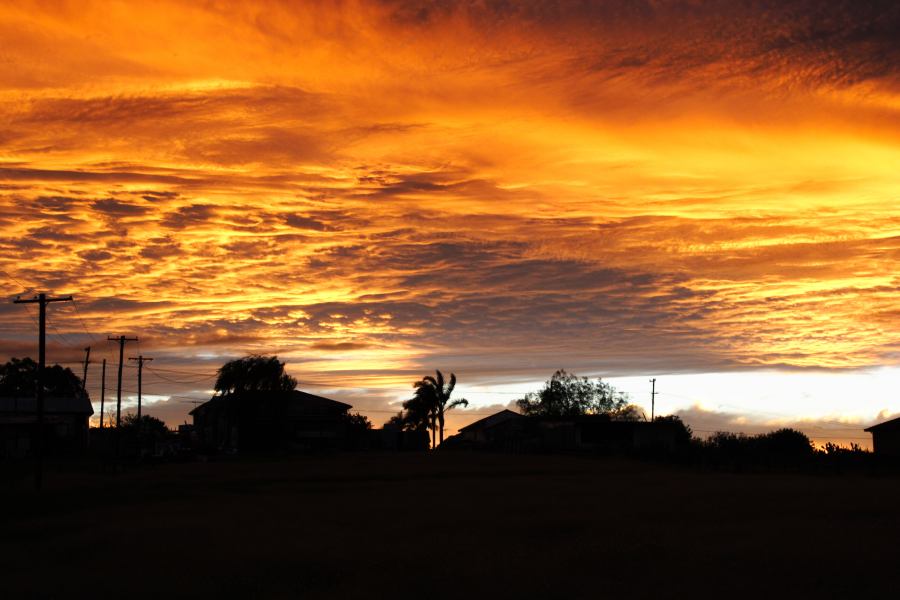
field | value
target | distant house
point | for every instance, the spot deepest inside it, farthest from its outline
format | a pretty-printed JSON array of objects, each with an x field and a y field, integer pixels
[
  {"x": 270, "y": 419},
  {"x": 66, "y": 424},
  {"x": 502, "y": 430},
  {"x": 392, "y": 437},
  {"x": 886, "y": 437},
  {"x": 598, "y": 432},
  {"x": 508, "y": 430}
]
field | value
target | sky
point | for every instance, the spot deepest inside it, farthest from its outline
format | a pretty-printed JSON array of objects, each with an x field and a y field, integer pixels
[{"x": 701, "y": 192}]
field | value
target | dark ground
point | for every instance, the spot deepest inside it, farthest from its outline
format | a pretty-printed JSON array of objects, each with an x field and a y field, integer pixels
[{"x": 444, "y": 525}]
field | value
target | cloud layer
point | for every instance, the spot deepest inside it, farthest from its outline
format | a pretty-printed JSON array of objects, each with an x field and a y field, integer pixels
[{"x": 371, "y": 189}]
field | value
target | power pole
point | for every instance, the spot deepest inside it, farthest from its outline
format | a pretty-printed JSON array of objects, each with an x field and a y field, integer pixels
[
  {"x": 42, "y": 300},
  {"x": 102, "y": 392},
  {"x": 87, "y": 361},
  {"x": 653, "y": 400},
  {"x": 140, "y": 361},
  {"x": 121, "y": 339}
]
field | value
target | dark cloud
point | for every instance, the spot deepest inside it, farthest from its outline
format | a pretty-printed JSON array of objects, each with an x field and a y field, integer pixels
[
  {"x": 30, "y": 174},
  {"x": 159, "y": 248},
  {"x": 841, "y": 42},
  {"x": 306, "y": 222},
  {"x": 190, "y": 216},
  {"x": 339, "y": 346},
  {"x": 117, "y": 208},
  {"x": 96, "y": 255}
]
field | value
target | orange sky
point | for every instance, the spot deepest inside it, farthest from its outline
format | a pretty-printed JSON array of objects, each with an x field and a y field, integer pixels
[{"x": 376, "y": 189}]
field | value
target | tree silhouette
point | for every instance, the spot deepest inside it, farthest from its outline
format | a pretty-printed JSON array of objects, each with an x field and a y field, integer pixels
[
  {"x": 629, "y": 412},
  {"x": 419, "y": 411},
  {"x": 683, "y": 432},
  {"x": 431, "y": 401},
  {"x": 567, "y": 395},
  {"x": 358, "y": 422},
  {"x": 785, "y": 442},
  {"x": 18, "y": 378},
  {"x": 253, "y": 373},
  {"x": 147, "y": 425}
]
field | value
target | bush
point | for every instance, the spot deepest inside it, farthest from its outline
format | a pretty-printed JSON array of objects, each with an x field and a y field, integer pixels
[{"x": 784, "y": 442}]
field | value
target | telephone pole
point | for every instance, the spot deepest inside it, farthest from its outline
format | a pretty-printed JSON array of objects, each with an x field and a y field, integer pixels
[
  {"x": 87, "y": 361},
  {"x": 121, "y": 339},
  {"x": 653, "y": 400},
  {"x": 42, "y": 300},
  {"x": 140, "y": 361},
  {"x": 102, "y": 392}
]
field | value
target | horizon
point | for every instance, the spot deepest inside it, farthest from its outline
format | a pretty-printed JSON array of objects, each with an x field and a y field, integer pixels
[{"x": 702, "y": 194}]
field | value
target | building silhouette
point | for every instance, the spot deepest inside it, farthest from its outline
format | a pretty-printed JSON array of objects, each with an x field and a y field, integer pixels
[
  {"x": 886, "y": 437},
  {"x": 260, "y": 420},
  {"x": 66, "y": 424}
]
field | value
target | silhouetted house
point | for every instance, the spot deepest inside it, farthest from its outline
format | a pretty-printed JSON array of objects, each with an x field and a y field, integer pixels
[
  {"x": 599, "y": 432},
  {"x": 391, "y": 437},
  {"x": 508, "y": 430},
  {"x": 270, "y": 419},
  {"x": 66, "y": 424},
  {"x": 886, "y": 437},
  {"x": 502, "y": 431}
]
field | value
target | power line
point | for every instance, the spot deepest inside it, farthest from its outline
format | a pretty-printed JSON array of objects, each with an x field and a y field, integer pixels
[
  {"x": 83, "y": 324},
  {"x": 26, "y": 289}
]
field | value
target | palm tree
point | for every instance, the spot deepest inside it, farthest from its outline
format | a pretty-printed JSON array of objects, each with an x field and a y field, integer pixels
[
  {"x": 438, "y": 399},
  {"x": 420, "y": 411}
]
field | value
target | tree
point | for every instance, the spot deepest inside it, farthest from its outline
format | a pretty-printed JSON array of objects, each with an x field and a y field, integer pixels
[
  {"x": 442, "y": 400},
  {"x": 398, "y": 421},
  {"x": 253, "y": 373},
  {"x": 357, "y": 430},
  {"x": 430, "y": 402},
  {"x": 146, "y": 425},
  {"x": 18, "y": 378},
  {"x": 420, "y": 410},
  {"x": 358, "y": 422},
  {"x": 629, "y": 412},
  {"x": 787, "y": 442},
  {"x": 567, "y": 395},
  {"x": 683, "y": 432}
]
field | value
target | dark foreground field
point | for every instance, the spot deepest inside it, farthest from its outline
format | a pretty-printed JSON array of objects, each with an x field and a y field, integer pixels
[{"x": 450, "y": 526}]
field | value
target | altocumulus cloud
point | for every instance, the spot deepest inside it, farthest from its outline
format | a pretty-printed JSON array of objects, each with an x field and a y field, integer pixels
[{"x": 487, "y": 187}]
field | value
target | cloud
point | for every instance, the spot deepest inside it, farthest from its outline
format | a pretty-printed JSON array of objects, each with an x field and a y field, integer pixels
[
  {"x": 502, "y": 188},
  {"x": 117, "y": 208},
  {"x": 302, "y": 222},
  {"x": 338, "y": 346}
]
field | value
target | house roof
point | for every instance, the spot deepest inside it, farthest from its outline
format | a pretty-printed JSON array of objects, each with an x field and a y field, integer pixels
[
  {"x": 490, "y": 421},
  {"x": 78, "y": 404},
  {"x": 298, "y": 402},
  {"x": 887, "y": 425}
]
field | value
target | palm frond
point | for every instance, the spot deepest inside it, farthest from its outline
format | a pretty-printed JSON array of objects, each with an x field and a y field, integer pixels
[
  {"x": 440, "y": 380},
  {"x": 457, "y": 402},
  {"x": 451, "y": 385}
]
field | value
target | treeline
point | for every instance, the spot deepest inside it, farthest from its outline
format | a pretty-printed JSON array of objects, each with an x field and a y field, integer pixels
[{"x": 782, "y": 449}]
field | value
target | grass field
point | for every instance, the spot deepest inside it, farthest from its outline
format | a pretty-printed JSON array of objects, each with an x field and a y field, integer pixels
[{"x": 444, "y": 525}]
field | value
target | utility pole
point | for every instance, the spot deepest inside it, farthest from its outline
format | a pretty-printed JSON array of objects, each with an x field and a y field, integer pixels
[
  {"x": 140, "y": 361},
  {"x": 102, "y": 392},
  {"x": 653, "y": 400},
  {"x": 121, "y": 339},
  {"x": 87, "y": 361},
  {"x": 42, "y": 300}
]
